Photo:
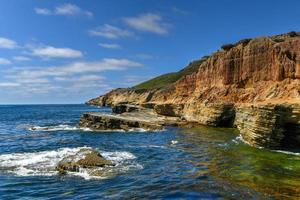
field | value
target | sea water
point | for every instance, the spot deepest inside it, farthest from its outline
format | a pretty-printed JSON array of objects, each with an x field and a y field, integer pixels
[{"x": 176, "y": 163}]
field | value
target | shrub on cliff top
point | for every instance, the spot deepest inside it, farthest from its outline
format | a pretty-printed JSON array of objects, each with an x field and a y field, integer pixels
[
  {"x": 227, "y": 47},
  {"x": 244, "y": 42},
  {"x": 278, "y": 40},
  {"x": 292, "y": 34}
]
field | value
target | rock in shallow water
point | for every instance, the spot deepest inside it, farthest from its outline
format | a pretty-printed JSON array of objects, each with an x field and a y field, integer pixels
[{"x": 85, "y": 158}]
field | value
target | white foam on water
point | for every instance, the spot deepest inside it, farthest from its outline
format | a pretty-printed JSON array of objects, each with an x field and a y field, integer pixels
[
  {"x": 240, "y": 138},
  {"x": 173, "y": 142},
  {"x": 118, "y": 156},
  {"x": 43, "y": 163},
  {"x": 288, "y": 152},
  {"x": 60, "y": 127},
  {"x": 66, "y": 127}
]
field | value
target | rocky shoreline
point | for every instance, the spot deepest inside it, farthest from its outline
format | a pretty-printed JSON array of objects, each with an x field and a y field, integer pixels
[
  {"x": 128, "y": 117},
  {"x": 252, "y": 85},
  {"x": 268, "y": 126}
]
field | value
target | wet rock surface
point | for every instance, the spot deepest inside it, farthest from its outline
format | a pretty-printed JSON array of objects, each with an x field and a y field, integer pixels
[
  {"x": 121, "y": 108},
  {"x": 85, "y": 158},
  {"x": 270, "y": 126}
]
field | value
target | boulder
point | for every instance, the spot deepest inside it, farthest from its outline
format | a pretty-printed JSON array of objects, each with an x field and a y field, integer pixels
[{"x": 90, "y": 159}]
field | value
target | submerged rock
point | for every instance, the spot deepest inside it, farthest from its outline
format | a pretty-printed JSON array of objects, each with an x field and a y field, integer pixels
[{"x": 85, "y": 158}]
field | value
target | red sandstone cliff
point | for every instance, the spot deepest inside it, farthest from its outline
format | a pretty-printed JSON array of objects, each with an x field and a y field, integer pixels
[{"x": 261, "y": 70}]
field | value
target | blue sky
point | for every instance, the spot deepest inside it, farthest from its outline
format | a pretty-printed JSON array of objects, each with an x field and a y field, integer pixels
[{"x": 70, "y": 51}]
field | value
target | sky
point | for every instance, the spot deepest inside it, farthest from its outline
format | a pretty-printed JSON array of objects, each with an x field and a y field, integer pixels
[{"x": 70, "y": 51}]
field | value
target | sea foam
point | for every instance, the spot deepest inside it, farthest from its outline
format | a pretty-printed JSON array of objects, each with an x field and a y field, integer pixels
[
  {"x": 60, "y": 127},
  {"x": 43, "y": 163}
]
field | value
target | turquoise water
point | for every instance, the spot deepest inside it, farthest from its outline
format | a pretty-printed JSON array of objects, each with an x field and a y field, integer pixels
[{"x": 177, "y": 163}]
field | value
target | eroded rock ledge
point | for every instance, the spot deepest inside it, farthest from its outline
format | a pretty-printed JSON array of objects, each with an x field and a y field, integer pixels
[
  {"x": 127, "y": 118},
  {"x": 270, "y": 126}
]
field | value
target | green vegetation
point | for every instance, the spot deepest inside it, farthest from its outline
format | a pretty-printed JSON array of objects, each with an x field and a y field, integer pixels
[
  {"x": 165, "y": 80},
  {"x": 227, "y": 47},
  {"x": 292, "y": 34}
]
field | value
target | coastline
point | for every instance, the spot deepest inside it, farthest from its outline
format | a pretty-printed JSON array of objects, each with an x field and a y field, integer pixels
[{"x": 252, "y": 85}]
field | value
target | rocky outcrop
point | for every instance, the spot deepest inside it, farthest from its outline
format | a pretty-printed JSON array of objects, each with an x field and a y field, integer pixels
[
  {"x": 122, "y": 108},
  {"x": 123, "y": 96},
  {"x": 101, "y": 121},
  {"x": 271, "y": 126},
  {"x": 85, "y": 158},
  {"x": 169, "y": 109},
  {"x": 260, "y": 70},
  {"x": 246, "y": 82},
  {"x": 139, "y": 118},
  {"x": 212, "y": 114}
]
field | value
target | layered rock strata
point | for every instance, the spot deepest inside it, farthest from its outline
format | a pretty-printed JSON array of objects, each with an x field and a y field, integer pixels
[
  {"x": 139, "y": 118},
  {"x": 271, "y": 126}
]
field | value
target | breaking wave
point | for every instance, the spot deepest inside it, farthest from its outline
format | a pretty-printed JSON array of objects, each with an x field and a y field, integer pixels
[
  {"x": 43, "y": 163},
  {"x": 288, "y": 152},
  {"x": 61, "y": 127},
  {"x": 65, "y": 127}
]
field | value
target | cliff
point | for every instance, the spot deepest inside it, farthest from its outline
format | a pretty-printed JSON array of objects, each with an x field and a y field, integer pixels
[
  {"x": 260, "y": 70},
  {"x": 252, "y": 72}
]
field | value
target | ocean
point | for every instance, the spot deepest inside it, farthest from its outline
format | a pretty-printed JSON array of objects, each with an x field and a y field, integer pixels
[{"x": 176, "y": 163}]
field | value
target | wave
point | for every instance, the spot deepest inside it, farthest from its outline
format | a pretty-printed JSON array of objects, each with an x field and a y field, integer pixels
[
  {"x": 288, "y": 152},
  {"x": 239, "y": 139},
  {"x": 61, "y": 127},
  {"x": 65, "y": 127},
  {"x": 43, "y": 163}
]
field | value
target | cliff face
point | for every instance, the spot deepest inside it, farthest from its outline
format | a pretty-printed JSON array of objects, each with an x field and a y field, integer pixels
[{"x": 259, "y": 71}]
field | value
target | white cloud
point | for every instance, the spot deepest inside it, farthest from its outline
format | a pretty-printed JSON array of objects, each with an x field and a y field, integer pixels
[
  {"x": 148, "y": 22},
  {"x": 4, "y": 61},
  {"x": 83, "y": 78},
  {"x": 110, "y": 45},
  {"x": 30, "y": 80},
  {"x": 7, "y": 43},
  {"x": 110, "y": 32},
  {"x": 63, "y": 80},
  {"x": 43, "y": 11},
  {"x": 21, "y": 58},
  {"x": 71, "y": 10},
  {"x": 53, "y": 52},
  {"x": 9, "y": 84},
  {"x": 64, "y": 9},
  {"x": 107, "y": 64}
]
